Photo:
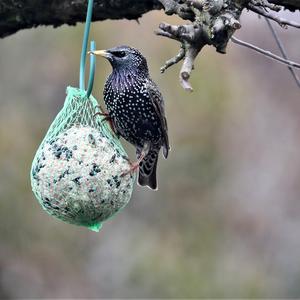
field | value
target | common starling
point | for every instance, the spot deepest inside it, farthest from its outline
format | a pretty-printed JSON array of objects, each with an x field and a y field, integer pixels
[{"x": 136, "y": 109}]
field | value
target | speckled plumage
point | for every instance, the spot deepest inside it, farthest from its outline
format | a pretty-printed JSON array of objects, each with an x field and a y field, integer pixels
[{"x": 136, "y": 108}]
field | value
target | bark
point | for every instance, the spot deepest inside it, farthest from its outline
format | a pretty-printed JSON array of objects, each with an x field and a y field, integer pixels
[
  {"x": 288, "y": 4},
  {"x": 20, "y": 14}
]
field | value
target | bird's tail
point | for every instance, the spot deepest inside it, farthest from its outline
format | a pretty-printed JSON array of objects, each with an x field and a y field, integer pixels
[{"x": 147, "y": 170}]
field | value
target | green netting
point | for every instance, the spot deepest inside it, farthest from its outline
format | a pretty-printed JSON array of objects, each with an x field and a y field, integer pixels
[
  {"x": 78, "y": 109},
  {"x": 76, "y": 173}
]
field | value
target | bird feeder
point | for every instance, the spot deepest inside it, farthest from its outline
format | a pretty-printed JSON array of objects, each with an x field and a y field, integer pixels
[{"x": 77, "y": 171}]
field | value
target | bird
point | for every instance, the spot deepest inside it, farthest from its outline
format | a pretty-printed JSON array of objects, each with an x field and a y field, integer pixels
[{"x": 136, "y": 109}]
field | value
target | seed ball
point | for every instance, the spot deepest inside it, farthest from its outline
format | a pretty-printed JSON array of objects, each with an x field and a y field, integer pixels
[{"x": 77, "y": 177}]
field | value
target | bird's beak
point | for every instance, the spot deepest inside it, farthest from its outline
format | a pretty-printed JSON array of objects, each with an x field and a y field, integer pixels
[{"x": 103, "y": 53}]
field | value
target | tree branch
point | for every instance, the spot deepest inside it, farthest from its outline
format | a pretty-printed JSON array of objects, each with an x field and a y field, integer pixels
[
  {"x": 266, "y": 53},
  {"x": 19, "y": 14},
  {"x": 282, "y": 50},
  {"x": 210, "y": 22},
  {"x": 287, "y": 4},
  {"x": 282, "y": 22}
]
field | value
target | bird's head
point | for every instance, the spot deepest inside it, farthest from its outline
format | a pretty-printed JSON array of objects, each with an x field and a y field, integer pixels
[{"x": 124, "y": 58}]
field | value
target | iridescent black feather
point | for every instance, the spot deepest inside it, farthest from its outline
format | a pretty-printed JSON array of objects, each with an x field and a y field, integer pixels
[{"x": 136, "y": 108}]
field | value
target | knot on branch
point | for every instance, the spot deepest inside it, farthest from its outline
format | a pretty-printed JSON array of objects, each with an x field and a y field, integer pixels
[{"x": 212, "y": 23}]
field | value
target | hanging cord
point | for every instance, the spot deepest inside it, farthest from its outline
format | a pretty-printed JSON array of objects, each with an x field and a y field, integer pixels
[
  {"x": 84, "y": 52},
  {"x": 92, "y": 70},
  {"x": 282, "y": 50}
]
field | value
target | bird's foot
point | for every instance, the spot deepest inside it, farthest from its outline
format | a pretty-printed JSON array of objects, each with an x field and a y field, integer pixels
[
  {"x": 101, "y": 112},
  {"x": 134, "y": 166},
  {"x": 107, "y": 118}
]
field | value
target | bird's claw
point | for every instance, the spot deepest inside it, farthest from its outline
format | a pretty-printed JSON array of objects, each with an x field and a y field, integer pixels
[
  {"x": 133, "y": 168},
  {"x": 107, "y": 118},
  {"x": 101, "y": 113}
]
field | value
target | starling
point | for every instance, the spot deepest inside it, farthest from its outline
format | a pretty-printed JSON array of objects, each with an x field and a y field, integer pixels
[{"x": 136, "y": 109}]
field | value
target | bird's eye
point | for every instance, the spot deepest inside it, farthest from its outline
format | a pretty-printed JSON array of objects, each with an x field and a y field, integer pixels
[{"x": 119, "y": 53}]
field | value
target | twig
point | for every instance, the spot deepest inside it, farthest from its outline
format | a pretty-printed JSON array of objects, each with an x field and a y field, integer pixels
[
  {"x": 192, "y": 39},
  {"x": 165, "y": 34},
  {"x": 280, "y": 21},
  {"x": 266, "y": 53},
  {"x": 282, "y": 50},
  {"x": 174, "y": 60},
  {"x": 187, "y": 67},
  {"x": 265, "y": 4}
]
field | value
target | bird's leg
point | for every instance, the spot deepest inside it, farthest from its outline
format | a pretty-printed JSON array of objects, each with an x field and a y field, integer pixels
[
  {"x": 107, "y": 118},
  {"x": 101, "y": 112},
  {"x": 135, "y": 165}
]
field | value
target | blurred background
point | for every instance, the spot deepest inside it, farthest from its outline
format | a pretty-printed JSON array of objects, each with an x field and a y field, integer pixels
[{"x": 226, "y": 219}]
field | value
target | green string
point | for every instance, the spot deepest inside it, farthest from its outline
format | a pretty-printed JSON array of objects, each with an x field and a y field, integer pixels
[
  {"x": 84, "y": 52},
  {"x": 92, "y": 69}
]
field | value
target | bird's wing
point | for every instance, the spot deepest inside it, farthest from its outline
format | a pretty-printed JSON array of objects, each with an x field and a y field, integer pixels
[{"x": 158, "y": 104}]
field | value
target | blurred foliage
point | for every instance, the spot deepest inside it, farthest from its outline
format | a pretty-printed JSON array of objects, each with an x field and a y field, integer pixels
[{"x": 225, "y": 221}]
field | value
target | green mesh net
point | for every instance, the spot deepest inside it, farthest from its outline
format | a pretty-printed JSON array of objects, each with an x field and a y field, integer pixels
[{"x": 77, "y": 171}]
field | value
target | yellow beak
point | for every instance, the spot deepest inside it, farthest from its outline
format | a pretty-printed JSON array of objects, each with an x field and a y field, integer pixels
[{"x": 103, "y": 53}]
